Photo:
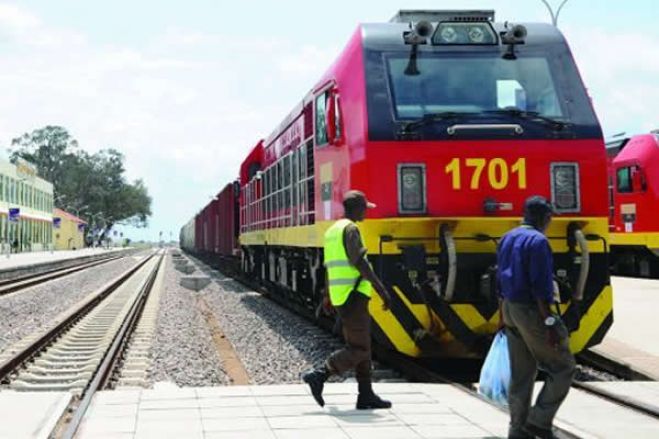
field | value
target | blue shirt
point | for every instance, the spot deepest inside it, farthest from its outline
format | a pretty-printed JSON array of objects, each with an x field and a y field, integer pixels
[{"x": 525, "y": 266}]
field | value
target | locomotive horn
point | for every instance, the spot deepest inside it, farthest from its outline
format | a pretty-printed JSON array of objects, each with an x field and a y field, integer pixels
[
  {"x": 514, "y": 35},
  {"x": 423, "y": 28}
]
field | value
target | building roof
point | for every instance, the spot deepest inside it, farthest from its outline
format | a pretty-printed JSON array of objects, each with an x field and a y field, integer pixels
[{"x": 69, "y": 216}]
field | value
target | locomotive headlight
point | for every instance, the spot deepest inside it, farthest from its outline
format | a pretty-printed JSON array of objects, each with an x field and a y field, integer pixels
[
  {"x": 411, "y": 188},
  {"x": 448, "y": 34},
  {"x": 456, "y": 32},
  {"x": 565, "y": 194},
  {"x": 476, "y": 35}
]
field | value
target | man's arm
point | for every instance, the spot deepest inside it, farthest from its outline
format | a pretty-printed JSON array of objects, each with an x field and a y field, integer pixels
[
  {"x": 541, "y": 276},
  {"x": 357, "y": 255}
]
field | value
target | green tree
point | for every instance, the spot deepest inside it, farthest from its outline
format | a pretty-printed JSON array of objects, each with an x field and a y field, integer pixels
[{"x": 93, "y": 183}]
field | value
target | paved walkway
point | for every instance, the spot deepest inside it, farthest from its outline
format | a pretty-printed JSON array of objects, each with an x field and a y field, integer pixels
[
  {"x": 29, "y": 258},
  {"x": 633, "y": 337},
  {"x": 288, "y": 411},
  {"x": 30, "y": 415}
]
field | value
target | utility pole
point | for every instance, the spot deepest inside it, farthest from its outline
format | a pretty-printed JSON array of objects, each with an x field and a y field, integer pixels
[{"x": 554, "y": 16}]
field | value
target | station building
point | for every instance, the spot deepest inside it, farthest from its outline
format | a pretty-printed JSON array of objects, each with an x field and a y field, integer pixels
[
  {"x": 22, "y": 189},
  {"x": 69, "y": 230}
]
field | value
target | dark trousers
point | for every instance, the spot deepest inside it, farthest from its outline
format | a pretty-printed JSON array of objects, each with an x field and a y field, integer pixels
[
  {"x": 530, "y": 350},
  {"x": 356, "y": 325}
]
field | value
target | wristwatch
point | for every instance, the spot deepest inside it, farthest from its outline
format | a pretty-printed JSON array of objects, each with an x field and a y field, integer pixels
[{"x": 550, "y": 321}]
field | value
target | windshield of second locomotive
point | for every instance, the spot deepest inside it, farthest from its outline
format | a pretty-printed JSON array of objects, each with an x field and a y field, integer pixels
[{"x": 459, "y": 83}]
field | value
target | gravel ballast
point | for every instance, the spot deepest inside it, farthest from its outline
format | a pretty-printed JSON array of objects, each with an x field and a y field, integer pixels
[
  {"x": 27, "y": 311},
  {"x": 274, "y": 344},
  {"x": 183, "y": 351}
]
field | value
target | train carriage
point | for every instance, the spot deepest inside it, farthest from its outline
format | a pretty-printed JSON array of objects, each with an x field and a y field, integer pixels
[
  {"x": 448, "y": 121},
  {"x": 633, "y": 197}
]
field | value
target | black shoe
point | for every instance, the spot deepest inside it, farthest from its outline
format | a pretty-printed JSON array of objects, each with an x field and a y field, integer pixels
[
  {"x": 368, "y": 401},
  {"x": 539, "y": 432},
  {"x": 316, "y": 380}
]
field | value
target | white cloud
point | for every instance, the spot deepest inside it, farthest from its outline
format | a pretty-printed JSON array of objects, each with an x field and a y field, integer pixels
[
  {"x": 184, "y": 109},
  {"x": 620, "y": 71},
  {"x": 16, "y": 19}
]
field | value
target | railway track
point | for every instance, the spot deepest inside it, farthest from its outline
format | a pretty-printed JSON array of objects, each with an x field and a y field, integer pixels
[
  {"x": 81, "y": 353},
  {"x": 8, "y": 286}
]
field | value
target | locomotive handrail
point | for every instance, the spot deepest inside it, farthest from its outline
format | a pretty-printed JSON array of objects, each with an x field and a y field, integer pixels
[
  {"x": 452, "y": 265},
  {"x": 516, "y": 128},
  {"x": 585, "y": 264}
]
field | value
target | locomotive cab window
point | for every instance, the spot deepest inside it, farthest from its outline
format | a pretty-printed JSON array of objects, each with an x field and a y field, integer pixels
[
  {"x": 472, "y": 84},
  {"x": 322, "y": 107},
  {"x": 321, "y": 119},
  {"x": 630, "y": 179}
]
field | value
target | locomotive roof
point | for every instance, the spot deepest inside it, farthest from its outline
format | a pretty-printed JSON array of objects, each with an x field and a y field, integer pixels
[{"x": 381, "y": 36}]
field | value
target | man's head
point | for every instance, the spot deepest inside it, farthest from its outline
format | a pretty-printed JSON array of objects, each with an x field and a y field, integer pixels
[
  {"x": 355, "y": 205},
  {"x": 538, "y": 212}
]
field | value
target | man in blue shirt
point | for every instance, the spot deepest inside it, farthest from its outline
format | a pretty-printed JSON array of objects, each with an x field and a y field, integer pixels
[{"x": 536, "y": 337}]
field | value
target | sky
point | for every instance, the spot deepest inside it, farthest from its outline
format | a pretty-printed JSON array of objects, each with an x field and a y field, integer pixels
[{"x": 185, "y": 89}]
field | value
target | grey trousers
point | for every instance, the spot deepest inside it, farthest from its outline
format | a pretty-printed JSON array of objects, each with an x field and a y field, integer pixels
[{"x": 530, "y": 350}]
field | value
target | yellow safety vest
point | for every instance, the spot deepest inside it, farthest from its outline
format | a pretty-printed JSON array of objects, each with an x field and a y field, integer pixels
[{"x": 342, "y": 276}]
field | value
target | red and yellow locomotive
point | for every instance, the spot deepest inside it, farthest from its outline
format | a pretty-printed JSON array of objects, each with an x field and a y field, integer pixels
[
  {"x": 448, "y": 121},
  {"x": 633, "y": 196}
]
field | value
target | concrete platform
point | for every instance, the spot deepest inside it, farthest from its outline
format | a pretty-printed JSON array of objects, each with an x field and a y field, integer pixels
[
  {"x": 31, "y": 258},
  {"x": 592, "y": 416},
  {"x": 633, "y": 337},
  {"x": 288, "y": 411},
  {"x": 30, "y": 414},
  {"x": 644, "y": 392}
]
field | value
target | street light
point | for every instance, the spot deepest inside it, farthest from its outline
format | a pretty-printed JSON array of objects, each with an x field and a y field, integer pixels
[
  {"x": 77, "y": 209},
  {"x": 14, "y": 197},
  {"x": 59, "y": 198},
  {"x": 93, "y": 220},
  {"x": 554, "y": 16}
]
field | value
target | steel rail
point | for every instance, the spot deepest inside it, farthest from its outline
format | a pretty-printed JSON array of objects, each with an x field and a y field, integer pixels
[
  {"x": 48, "y": 336},
  {"x": 108, "y": 365},
  {"x": 8, "y": 286},
  {"x": 624, "y": 401}
]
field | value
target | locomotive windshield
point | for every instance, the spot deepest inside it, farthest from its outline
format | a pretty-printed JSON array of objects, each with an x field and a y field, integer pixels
[
  {"x": 472, "y": 85},
  {"x": 540, "y": 90}
]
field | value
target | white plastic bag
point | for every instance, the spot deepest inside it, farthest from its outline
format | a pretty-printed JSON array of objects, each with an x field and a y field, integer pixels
[{"x": 495, "y": 374}]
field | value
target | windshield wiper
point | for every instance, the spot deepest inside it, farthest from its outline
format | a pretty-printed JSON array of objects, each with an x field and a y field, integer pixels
[
  {"x": 408, "y": 128},
  {"x": 555, "y": 124}
]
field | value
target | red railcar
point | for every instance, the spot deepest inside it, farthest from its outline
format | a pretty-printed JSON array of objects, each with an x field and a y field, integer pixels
[
  {"x": 207, "y": 224},
  {"x": 634, "y": 197},
  {"x": 227, "y": 221}
]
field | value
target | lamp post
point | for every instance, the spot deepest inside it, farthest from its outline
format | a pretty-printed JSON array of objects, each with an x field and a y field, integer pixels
[
  {"x": 93, "y": 218},
  {"x": 77, "y": 209},
  {"x": 554, "y": 16},
  {"x": 12, "y": 198}
]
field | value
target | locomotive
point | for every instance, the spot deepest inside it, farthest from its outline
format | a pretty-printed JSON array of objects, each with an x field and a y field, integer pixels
[
  {"x": 633, "y": 196},
  {"x": 448, "y": 121}
]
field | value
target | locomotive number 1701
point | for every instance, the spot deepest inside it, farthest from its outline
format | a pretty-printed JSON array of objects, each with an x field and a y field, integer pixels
[{"x": 499, "y": 172}]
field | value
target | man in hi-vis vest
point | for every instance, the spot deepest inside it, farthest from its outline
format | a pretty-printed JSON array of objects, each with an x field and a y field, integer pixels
[{"x": 350, "y": 282}]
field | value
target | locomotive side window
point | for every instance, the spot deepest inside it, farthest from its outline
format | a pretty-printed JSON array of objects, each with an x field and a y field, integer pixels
[
  {"x": 624, "y": 177},
  {"x": 321, "y": 118},
  {"x": 323, "y": 105},
  {"x": 630, "y": 179}
]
